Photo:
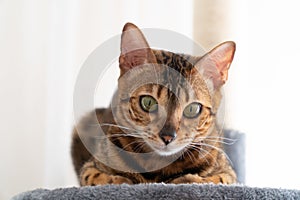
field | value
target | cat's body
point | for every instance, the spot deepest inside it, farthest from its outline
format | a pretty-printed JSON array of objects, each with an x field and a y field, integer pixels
[{"x": 188, "y": 139}]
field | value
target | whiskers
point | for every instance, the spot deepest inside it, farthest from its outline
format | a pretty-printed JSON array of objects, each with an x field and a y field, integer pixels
[
  {"x": 139, "y": 136},
  {"x": 116, "y": 125},
  {"x": 204, "y": 145},
  {"x": 130, "y": 132},
  {"x": 202, "y": 152},
  {"x": 216, "y": 139}
]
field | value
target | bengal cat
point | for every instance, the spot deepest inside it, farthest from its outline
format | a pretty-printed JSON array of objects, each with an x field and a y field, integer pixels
[{"x": 186, "y": 96}]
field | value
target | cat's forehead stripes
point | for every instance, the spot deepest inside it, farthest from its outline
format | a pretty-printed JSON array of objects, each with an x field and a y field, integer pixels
[
  {"x": 176, "y": 83},
  {"x": 179, "y": 62}
]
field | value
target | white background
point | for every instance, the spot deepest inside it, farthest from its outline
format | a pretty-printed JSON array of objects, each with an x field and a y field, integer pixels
[{"x": 44, "y": 43}]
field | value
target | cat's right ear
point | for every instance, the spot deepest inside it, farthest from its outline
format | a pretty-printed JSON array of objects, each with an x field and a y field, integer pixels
[{"x": 135, "y": 49}]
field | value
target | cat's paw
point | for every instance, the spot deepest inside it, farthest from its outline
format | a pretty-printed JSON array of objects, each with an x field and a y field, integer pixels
[
  {"x": 94, "y": 177},
  {"x": 188, "y": 178},
  {"x": 102, "y": 179},
  {"x": 194, "y": 178}
]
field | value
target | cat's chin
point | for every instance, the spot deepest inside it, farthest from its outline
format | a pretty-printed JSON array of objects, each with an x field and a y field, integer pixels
[
  {"x": 167, "y": 152},
  {"x": 164, "y": 150}
]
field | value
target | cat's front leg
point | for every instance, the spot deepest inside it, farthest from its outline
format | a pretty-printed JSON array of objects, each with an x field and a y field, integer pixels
[
  {"x": 195, "y": 178},
  {"x": 90, "y": 175}
]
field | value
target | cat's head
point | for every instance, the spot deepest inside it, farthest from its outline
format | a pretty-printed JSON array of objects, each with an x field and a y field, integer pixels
[{"x": 168, "y": 100}]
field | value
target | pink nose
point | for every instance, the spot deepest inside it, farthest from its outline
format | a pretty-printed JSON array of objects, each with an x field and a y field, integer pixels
[{"x": 168, "y": 138}]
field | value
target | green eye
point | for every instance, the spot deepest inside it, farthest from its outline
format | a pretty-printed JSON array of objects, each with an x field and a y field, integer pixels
[
  {"x": 148, "y": 104},
  {"x": 192, "y": 110}
]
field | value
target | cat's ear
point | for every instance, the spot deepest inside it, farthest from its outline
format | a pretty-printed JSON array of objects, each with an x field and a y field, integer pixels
[
  {"x": 215, "y": 64},
  {"x": 135, "y": 49}
]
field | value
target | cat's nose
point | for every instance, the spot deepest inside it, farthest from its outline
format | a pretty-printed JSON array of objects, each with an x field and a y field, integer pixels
[{"x": 167, "y": 137}]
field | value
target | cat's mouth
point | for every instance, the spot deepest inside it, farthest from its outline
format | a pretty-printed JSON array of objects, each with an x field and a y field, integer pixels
[{"x": 166, "y": 150}]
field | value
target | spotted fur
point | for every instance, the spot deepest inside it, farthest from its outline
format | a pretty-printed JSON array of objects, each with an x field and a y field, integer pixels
[{"x": 201, "y": 158}]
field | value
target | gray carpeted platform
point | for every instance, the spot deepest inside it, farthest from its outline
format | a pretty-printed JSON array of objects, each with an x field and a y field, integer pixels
[{"x": 160, "y": 191}]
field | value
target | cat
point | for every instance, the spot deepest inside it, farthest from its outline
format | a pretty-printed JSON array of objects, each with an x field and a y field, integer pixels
[{"x": 185, "y": 148}]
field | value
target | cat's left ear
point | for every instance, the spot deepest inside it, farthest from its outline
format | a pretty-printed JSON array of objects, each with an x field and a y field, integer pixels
[{"x": 215, "y": 64}]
